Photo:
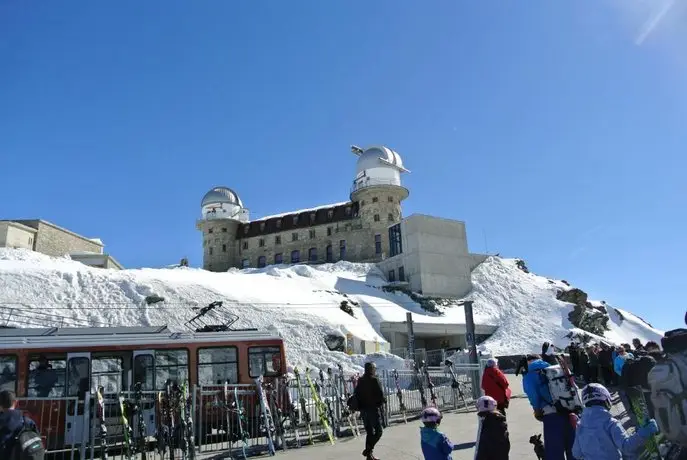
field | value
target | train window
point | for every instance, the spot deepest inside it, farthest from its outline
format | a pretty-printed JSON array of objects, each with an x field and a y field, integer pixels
[
  {"x": 170, "y": 365},
  {"x": 218, "y": 365},
  {"x": 8, "y": 373},
  {"x": 78, "y": 377},
  {"x": 47, "y": 377},
  {"x": 264, "y": 361},
  {"x": 107, "y": 373},
  {"x": 144, "y": 372}
]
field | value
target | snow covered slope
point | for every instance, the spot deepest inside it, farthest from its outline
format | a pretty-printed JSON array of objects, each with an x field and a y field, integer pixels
[{"x": 299, "y": 302}]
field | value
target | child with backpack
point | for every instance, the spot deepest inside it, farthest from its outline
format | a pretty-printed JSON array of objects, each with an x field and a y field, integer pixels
[
  {"x": 19, "y": 438},
  {"x": 435, "y": 445},
  {"x": 599, "y": 436},
  {"x": 493, "y": 442}
]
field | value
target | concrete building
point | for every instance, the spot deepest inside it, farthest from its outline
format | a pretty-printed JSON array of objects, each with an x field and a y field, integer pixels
[{"x": 53, "y": 240}]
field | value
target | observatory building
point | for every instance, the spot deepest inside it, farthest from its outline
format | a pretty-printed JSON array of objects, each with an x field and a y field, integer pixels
[{"x": 428, "y": 254}]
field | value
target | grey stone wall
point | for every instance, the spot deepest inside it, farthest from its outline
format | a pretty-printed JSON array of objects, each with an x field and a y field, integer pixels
[
  {"x": 219, "y": 244},
  {"x": 57, "y": 241}
]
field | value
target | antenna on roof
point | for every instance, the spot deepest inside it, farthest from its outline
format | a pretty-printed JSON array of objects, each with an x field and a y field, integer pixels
[{"x": 356, "y": 150}]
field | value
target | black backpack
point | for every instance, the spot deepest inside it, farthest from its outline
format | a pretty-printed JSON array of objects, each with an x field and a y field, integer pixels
[
  {"x": 636, "y": 371},
  {"x": 28, "y": 444}
]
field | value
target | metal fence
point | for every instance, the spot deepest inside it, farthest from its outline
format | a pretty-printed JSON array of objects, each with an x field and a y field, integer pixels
[{"x": 228, "y": 419}]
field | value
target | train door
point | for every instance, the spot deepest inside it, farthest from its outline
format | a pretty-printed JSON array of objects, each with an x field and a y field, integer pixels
[
  {"x": 144, "y": 373},
  {"x": 78, "y": 384}
]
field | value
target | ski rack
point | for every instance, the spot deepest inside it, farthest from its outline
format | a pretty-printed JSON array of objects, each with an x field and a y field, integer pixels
[{"x": 213, "y": 318}]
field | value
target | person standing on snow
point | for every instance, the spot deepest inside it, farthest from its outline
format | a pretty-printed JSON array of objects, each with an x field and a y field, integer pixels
[
  {"x": 495, "y": 384},
  {"x": 370, "y": 397},
  {"x": 599, "y": 436},
  {"x": 559, "y": 433}
]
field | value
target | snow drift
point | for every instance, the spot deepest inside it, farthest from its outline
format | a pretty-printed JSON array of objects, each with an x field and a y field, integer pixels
[{"x": 301, "y": 303}]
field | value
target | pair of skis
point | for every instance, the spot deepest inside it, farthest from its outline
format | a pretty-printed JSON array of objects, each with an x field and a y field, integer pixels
[
  {"x": 455, "y": 384},
  {"x": 345, "y": 412},
  {"x": 301, "y": 400},
  {"x": 320, "y": 406}
]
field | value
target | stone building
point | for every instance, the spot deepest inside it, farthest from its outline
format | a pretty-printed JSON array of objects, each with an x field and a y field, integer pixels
[
  {"x": 47, "y": 238},
  {"x": 369, "y": 227}
]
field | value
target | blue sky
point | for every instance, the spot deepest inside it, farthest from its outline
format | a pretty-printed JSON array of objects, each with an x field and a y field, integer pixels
[{"x": 556, "y": 130}]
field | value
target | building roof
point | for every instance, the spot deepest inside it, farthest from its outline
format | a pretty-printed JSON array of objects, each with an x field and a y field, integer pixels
[
  {"x": 221, "y": 194},
  {"x": 34, "y": 223},
  {"x": 13, "y": 223},
  {"x": 379, "y": 156}
]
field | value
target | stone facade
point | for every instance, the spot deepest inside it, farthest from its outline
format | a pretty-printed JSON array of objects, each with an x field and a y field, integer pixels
[
  {"x": 57, "y": 241},
  {"x": 356, "y": 231}
]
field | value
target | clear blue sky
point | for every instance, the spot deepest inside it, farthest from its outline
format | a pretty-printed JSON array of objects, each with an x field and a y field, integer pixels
[{"x": 555, "y": 129}]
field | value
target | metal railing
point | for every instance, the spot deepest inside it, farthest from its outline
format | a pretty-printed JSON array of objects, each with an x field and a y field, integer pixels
[{"x": 228, "y": 418}]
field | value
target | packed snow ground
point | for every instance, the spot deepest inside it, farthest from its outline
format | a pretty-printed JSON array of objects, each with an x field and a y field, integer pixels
[{"x": 301, "y": 303}]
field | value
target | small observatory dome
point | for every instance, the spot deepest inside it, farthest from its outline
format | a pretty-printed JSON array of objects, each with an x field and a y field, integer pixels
[
  {"x": 223, "y": 203},
  {"x": 377, "y": 165}
]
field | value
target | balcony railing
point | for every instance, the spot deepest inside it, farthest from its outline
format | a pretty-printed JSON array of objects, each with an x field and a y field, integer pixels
[{"x": 361, "y": 184}]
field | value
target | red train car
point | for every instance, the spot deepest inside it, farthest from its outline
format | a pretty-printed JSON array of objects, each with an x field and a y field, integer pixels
[{"x": 52, "y": 369}]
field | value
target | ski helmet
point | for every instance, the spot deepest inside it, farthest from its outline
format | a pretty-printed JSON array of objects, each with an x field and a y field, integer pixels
[
  {"x": 486, "y": 404},
  {"x": 431, "y": 415},
  {"x": 595, "y": 392}
]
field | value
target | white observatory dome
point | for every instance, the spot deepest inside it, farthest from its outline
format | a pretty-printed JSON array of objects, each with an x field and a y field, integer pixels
[
  {"x": 223, "y": 203},
  {"x": 379, "y": 157}
]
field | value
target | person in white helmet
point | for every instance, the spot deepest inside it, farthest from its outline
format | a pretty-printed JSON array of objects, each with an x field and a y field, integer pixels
[
  {"x": 599, "y": 436},
  {"x": 493, "y": 441},
  {"x": 435, "y": 445}
]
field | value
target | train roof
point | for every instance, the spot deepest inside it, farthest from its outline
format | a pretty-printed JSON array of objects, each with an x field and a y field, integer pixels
[{"x": 68, "y": 337}]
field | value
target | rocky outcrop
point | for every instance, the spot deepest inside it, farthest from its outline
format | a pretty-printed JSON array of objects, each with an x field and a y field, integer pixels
[
  {"x": 431, "y": 304},
  {"x": 347, "y": 308},
  {"x": 521, "y": 265},
  {"x": 585, "y": 316},
  {"x": 335, "y": 342}
]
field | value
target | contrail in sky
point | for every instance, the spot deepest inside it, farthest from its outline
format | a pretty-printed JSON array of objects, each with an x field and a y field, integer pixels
[{"x": 652, "y": 22}]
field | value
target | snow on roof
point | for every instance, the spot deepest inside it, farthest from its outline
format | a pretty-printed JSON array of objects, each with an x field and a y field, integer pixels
[
  {"x": 97, "y": 240},
  {"x": 301, "y": 303},
  {"x": 299, "y": 211}
]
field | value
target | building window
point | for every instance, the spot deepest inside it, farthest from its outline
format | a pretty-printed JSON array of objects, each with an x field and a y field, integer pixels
[
  {"x": 277, "y": 239},
  {"x": 312, "y": 234},
  {"x": 401, "y": 274},
  {"x": 278, "y": 223},
  {"x": 211, "y": 230},
  {"x": 391, "y": 199},
  {"x": 330, "y": 214},
  {"x": 376, "y": 217},
  {"x": 375, "y": 199},
  {"x": 295, "y": 256},
  {"x": 30, "y": 241},
  {"x": 342, "y": 250},
  {"x": 265, "y": 361},
  {"x": 245, "y": 263},
  {"x": 210, "y": 250},
  {"x": 312, "y": 254},
  {"x": 218, "y": 365},
  {"x": 278, "y": 259},
  {"x": 390, "y": 217},
  {"x": 294, "y": 237},
  {"x": 295, "y": 220},
  {"x": 392, "y": 276},
  {"x": 224, "y": 229},
  {"x": 262, "y": 261},
  {"x": 378, "y": 244},
  {"x": 245, "y": 245},
  {"x": 313, "y": 216},
  {"x": 348, "y": 210},
  {"x": 246, "y": 228},
  {"x": 262, "y": 226},
  {"x": 329, "y": 231},
  {"x": 261, "y": 242},
  {"x": 330, "y": 257},
  {"x": 224, "y": 248},
  {"x": 395, "y": 240}
]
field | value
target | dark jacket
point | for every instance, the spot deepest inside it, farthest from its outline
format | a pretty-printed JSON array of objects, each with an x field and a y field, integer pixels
[
  {"x": 369, "y": 393},
  {"x": 605, "y": 358},
  {"x": 493, "y": 442},
  {"x": 11, "y": 422}
]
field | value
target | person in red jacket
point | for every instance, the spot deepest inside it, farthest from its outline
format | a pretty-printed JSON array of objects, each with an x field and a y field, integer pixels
[{"x": 495, "y": 384}]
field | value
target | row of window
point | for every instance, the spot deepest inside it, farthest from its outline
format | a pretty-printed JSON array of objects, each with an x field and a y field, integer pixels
[
  {"x": 57, "y": 377},
  {"x": 295, "y": 256},
  {"x": 295, "y": 219},
  {"x": 375, "y": 199},
  {"x": 401, "y": 275}
]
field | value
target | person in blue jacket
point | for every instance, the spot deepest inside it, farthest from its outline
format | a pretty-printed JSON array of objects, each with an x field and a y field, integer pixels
[
  {"x": 435, "y": 445},
  {"x": 559, "y": 433},
  {"x": 600, "y": 436},
  {"x": 11, "y": 422}
]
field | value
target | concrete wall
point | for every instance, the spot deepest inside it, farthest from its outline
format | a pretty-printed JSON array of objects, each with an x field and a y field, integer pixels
[
  {"x": 57, "y": 241},
  {"x": 97, "y": 260},
  {"x": 13, "y": 235}
]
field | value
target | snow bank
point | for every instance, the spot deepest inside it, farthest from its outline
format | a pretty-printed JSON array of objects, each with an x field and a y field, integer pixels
[{"x": 301, "y": 303}]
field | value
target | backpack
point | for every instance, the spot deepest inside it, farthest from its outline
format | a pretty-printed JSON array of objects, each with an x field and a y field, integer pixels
[
  {"x": 565, "y": 396},
  {"x": 636, "y": 371},
  {"x": 352, "y": 403},
  {"x": 28, "y": 444},
  {"x": 668, "y": 392}
]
